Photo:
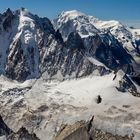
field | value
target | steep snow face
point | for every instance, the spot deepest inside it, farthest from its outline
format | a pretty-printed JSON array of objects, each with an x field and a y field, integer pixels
[
  {"x": 22, "y": 34},
  {"x": 18, "y": 41},
  {"x": 71, "y": 21},
  {"x": 28, "y": 37}
]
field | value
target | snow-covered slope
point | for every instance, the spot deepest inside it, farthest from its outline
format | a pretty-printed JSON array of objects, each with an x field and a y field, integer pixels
[
  {"x": 72, "y": 21},
  {"x": 45, "y": 107}
]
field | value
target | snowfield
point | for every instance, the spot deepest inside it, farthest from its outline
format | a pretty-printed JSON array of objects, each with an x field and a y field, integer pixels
[{"x": 55, "y": 103}]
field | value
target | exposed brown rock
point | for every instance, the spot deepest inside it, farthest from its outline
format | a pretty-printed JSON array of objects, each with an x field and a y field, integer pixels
[
  {"x": 85, "y": 131},
  {"x": 77, "y": 131}
]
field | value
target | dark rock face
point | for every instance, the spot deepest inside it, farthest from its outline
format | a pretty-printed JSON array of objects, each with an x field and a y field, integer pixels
[
  {"x": 137, "y": 80},
  {"x": 22, "y": 134},
  {"x": 4, "y": 129},
  {"x": 74, "y": 41},
  {"x": 45, "y": 25},
  {"x": 8, "y": 20},
  {"x": 108, "y": 51},
  {"x": 68, "y": 60},
  {"x": 126, "y": 85},
  {"x": 58, "y": 36},
  {"x": 17, "y": 66}
]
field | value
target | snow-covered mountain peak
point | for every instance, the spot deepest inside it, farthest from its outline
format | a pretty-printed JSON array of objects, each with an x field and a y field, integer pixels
[
  {"x": 83, "y": 18},
  {"x": 72, "y": 14},
  {"x": 86, "y": 26},
  {"x": 26, "y": 19},
  {"x": 72, "y": 21}
]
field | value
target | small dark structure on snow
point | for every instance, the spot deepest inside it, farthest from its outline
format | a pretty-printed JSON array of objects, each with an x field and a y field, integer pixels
[{"x": 99, "y": 99}]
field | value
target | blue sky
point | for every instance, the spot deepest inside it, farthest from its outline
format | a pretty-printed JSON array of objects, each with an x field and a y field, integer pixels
[{"x": 127, "y": 11}]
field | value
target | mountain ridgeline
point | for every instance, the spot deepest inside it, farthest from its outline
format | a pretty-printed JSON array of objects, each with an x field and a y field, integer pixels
[{"x": 73, "y": 45}]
